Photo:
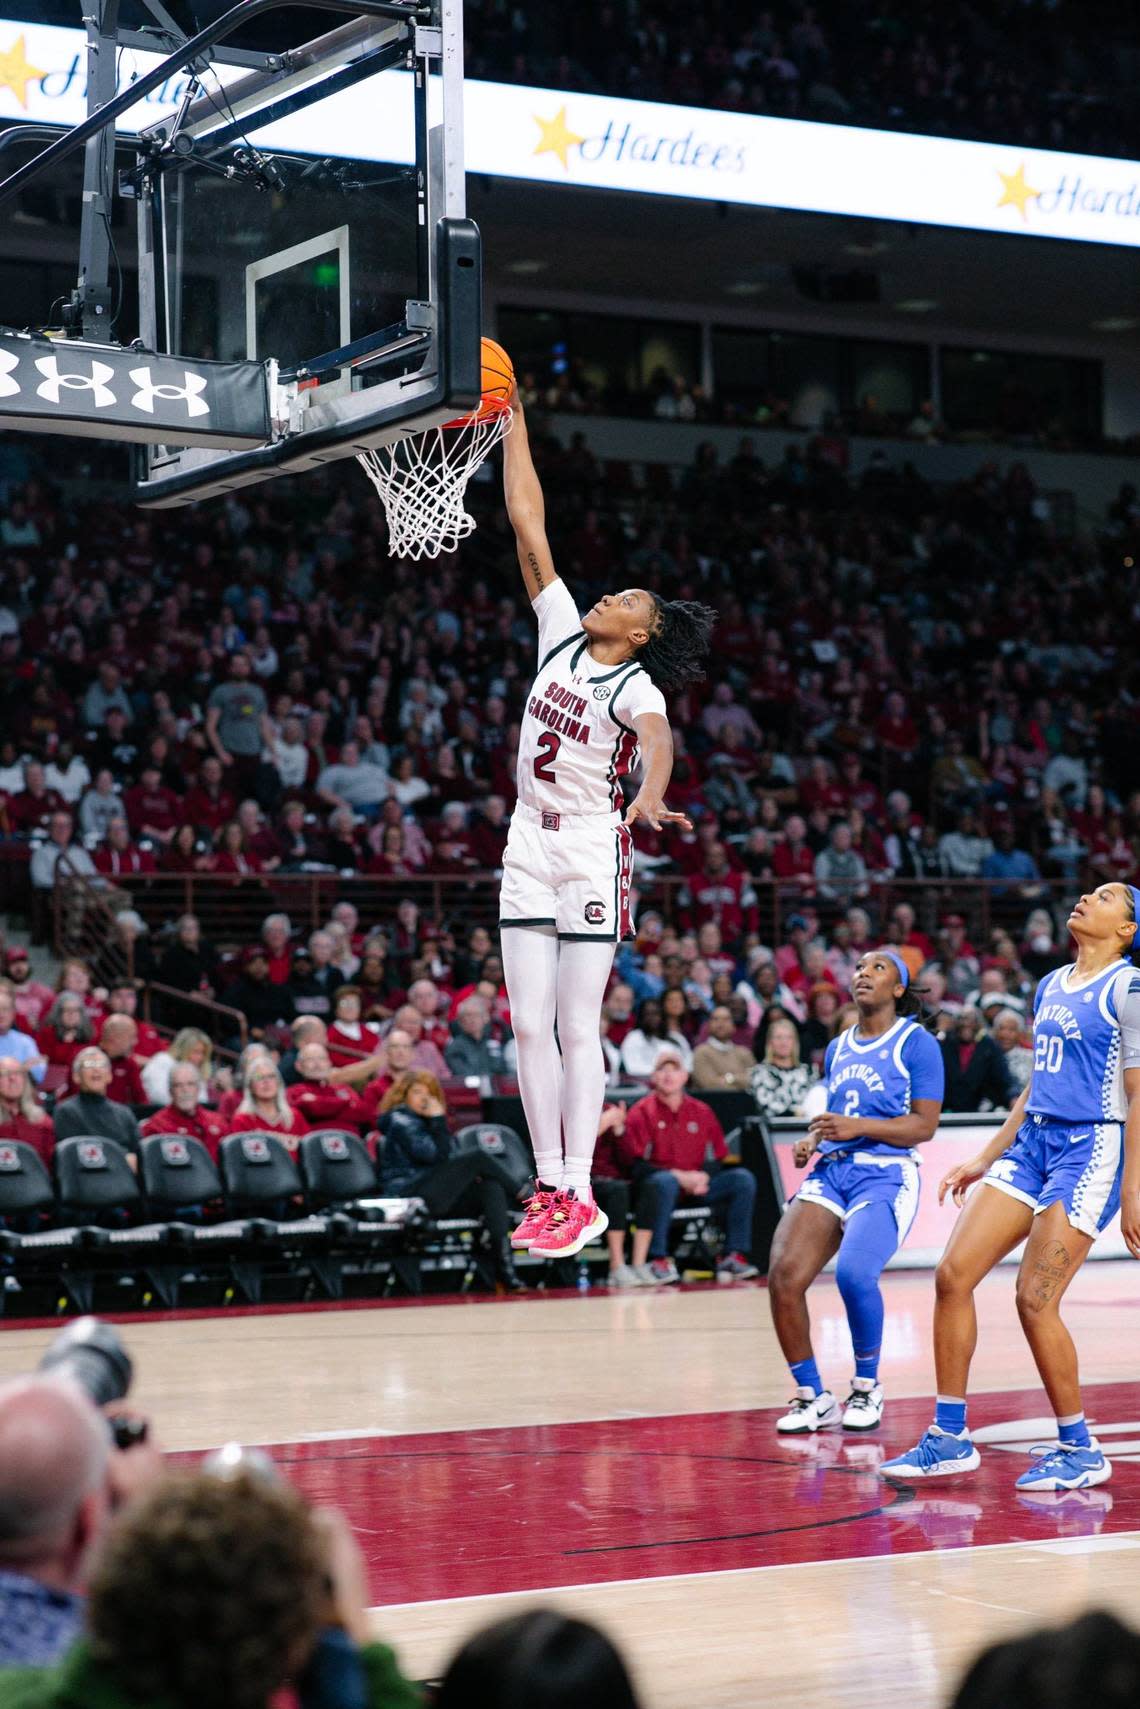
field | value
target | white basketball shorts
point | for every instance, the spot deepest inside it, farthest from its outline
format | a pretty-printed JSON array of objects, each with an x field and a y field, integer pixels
[{"x": 570, "y": 871}]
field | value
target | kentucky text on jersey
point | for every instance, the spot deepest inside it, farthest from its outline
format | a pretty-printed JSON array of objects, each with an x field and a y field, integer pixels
[
  {"x": 1078, "y": 1070},
  {"x": 1064, "y": 1018},
  {"x": 878, "y": 1079}
]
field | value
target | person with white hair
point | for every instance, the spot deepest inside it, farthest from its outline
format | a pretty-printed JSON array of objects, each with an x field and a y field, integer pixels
[{"x": 90, "y": 1113}]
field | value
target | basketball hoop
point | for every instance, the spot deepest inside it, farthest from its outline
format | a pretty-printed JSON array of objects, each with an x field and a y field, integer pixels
[{"x": 422, "y": 479}]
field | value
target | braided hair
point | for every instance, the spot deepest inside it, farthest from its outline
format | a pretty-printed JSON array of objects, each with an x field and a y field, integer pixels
[{"x": 676, "y": 650}]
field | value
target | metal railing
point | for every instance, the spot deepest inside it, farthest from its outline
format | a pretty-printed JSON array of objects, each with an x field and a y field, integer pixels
[{"x": 231, "y": 910}]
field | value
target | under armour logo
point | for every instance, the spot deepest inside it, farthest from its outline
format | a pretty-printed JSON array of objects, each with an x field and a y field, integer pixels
[
  {"x": 190, "y": 393},
  {"x": 8, "y": 365},
  {"x": 95, "y": 382}
]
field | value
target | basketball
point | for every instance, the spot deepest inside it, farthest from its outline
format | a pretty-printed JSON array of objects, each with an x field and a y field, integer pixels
[{"x": 498, "y": 371}]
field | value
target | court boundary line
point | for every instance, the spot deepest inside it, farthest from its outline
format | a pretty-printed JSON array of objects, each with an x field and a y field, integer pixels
[{"x": 1049, "y": 1544}]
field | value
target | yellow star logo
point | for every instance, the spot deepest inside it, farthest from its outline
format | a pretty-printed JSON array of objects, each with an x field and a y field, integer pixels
[
  {"x": 557, "y": 137},
  {"x": 16, "y": 72},
  {"x": 1017, "y": 192}
]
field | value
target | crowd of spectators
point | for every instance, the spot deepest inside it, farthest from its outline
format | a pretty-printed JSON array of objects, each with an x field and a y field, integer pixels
[
  {"x": 1034, "y": 73},
  {"x": 918, "y": 728},
  {"x": 1018, "y": 416}
]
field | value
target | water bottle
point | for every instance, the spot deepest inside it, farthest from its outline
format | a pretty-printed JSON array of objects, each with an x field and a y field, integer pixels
[{"x": 583, "y": 1276}]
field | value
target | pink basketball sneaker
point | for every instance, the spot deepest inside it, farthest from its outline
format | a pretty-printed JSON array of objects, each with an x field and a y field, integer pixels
[
  {"x": 538, "y": 1208},
  {"x": 571, "y": 1224}
]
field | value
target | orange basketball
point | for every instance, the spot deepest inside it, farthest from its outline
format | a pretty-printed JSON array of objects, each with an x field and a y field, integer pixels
[{"x": 498, "y": 373}]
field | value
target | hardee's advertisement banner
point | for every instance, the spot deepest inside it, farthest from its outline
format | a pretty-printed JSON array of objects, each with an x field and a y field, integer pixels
[{"x": 604, "y": 143}]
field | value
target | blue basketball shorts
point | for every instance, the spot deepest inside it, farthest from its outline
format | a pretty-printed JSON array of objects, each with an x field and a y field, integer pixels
[
  {"x": 1078, "y": 1165},
  {"x": 846, "y": 1182}
]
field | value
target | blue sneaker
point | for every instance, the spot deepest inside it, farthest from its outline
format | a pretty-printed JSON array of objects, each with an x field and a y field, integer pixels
[
  {"x": 938, "y": 1455},
  {"x": 1059, "y": 1467}
]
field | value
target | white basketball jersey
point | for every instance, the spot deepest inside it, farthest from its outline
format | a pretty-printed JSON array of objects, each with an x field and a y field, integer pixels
[{"x": 577, "y": 737}]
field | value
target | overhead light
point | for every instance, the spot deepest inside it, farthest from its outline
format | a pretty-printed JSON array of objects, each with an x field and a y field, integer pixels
[
  {"x": 917, "y": 305},
  {"x": 526, "y": 266},
  {"x": 1113, "y": 323},
  {"x": 745, "y": 288}
]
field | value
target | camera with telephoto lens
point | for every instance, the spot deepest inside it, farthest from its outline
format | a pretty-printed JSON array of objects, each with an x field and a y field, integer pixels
[{"x": 90, "y": 1353}]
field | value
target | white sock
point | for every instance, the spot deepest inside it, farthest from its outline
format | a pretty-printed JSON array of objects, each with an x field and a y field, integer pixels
[
  {"x": 530, "y": 966},
  {"x": 583, "y": 973}
]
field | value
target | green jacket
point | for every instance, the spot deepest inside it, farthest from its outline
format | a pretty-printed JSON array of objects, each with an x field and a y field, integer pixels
[{"x": 78, "y": 1683}]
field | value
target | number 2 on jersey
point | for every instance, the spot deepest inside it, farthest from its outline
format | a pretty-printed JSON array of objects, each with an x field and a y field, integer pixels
[
  {"x": 548, "y": 746},
  {"x": 851, "y": 1102}
]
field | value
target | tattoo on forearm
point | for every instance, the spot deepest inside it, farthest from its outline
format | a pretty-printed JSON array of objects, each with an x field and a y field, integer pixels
[
  {"x": 539, "y": 578},
  {"x": 1049, "y": 1272}
]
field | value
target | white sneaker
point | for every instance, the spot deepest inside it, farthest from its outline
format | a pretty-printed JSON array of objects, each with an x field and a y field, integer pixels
[
  {"x": 623, "y": 1276},
  {"x": 809, "y": 1412},
  {"x": 864, "y": 1408}
]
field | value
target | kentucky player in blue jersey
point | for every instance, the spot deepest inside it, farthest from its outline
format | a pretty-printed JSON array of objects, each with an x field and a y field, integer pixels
[
  {"x": 884, "y": 1096},
  {"x": 1064, "y": 1159}
]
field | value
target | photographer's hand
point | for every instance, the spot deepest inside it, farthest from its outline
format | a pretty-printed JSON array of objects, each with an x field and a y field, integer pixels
[
  {"x": 131, "y": 1469},
  {"x": 348, "y": 1581}
]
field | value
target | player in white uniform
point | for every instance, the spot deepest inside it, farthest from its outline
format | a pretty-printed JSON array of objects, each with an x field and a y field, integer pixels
[{"x": 595, "y": 706}]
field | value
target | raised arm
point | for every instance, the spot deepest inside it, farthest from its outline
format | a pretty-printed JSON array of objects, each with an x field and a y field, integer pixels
[
  {"x": 525, "y": 506},
  {"x": 655, "y": 739}
]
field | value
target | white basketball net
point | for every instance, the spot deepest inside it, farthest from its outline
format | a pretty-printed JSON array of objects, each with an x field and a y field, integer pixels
[{"x": 422, "y": 481}]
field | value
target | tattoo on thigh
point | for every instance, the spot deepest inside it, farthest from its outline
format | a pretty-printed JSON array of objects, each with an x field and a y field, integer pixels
[{"x": 1050, "y": 1269}]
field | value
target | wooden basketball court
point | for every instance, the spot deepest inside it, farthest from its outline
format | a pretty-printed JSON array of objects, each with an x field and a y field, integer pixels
[{"x": 616, "y": 1457}]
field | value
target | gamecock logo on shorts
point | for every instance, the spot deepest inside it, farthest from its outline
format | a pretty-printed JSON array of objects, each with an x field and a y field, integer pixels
[{"x": 595, "y": 913}]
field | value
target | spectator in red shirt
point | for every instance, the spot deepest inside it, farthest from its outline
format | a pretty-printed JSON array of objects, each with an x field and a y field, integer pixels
[
  {"x": 232, "y": 854},
  {"x": 32, "y": 808},
  {"x": 905, "y": 917},
  {"x": 619, "y": 1010},
  {"x": 677, "y": 1143},
  {"x": 277, "y": 936},
  {"x": 321, "y": 1104},
  {"x": 789, "y": 956},
  {"x": 184, "y": 853},
  {"x": 266, "y": 1106},
  {"x": 453, "y": 847},
  {"x": 398, "y": 1053},
  {"x": 350, "y": 1038},
  {"x": 489, "y": 834},
  {"x": 118, "y": 1040},
  {"x": 21, "y": 1117},
  {"x": 185, "y": 1116},
  {"x": 31, "y": 999},
  {"x": 425, "y": 998},
  {"x": 123, "y": 999},
  {"x": 858, "y": 791},
  {"x": 118, "y": 856},
  {"x": 895, "y": 729},
  {"x": 153, "y": 810},
  {"x": 721, "y": 895},
  {"x": 609, "y": 1178},
  {"x": 820, "y": 789},
  {"x": 209, "y": 803},
  {"x": 64, "y": 1031},
  {"x": 793, "y": 860}
]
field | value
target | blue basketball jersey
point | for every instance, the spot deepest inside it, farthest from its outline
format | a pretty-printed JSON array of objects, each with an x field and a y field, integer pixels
[
  {"x": 1078, "y": 1072},
  {"x": 879, "y": 1078}
]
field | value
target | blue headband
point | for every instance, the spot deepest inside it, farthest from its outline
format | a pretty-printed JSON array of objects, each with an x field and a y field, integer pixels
[
  {"x": 1135, "y": 895},
  {"x": 904, "y": 970}
]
